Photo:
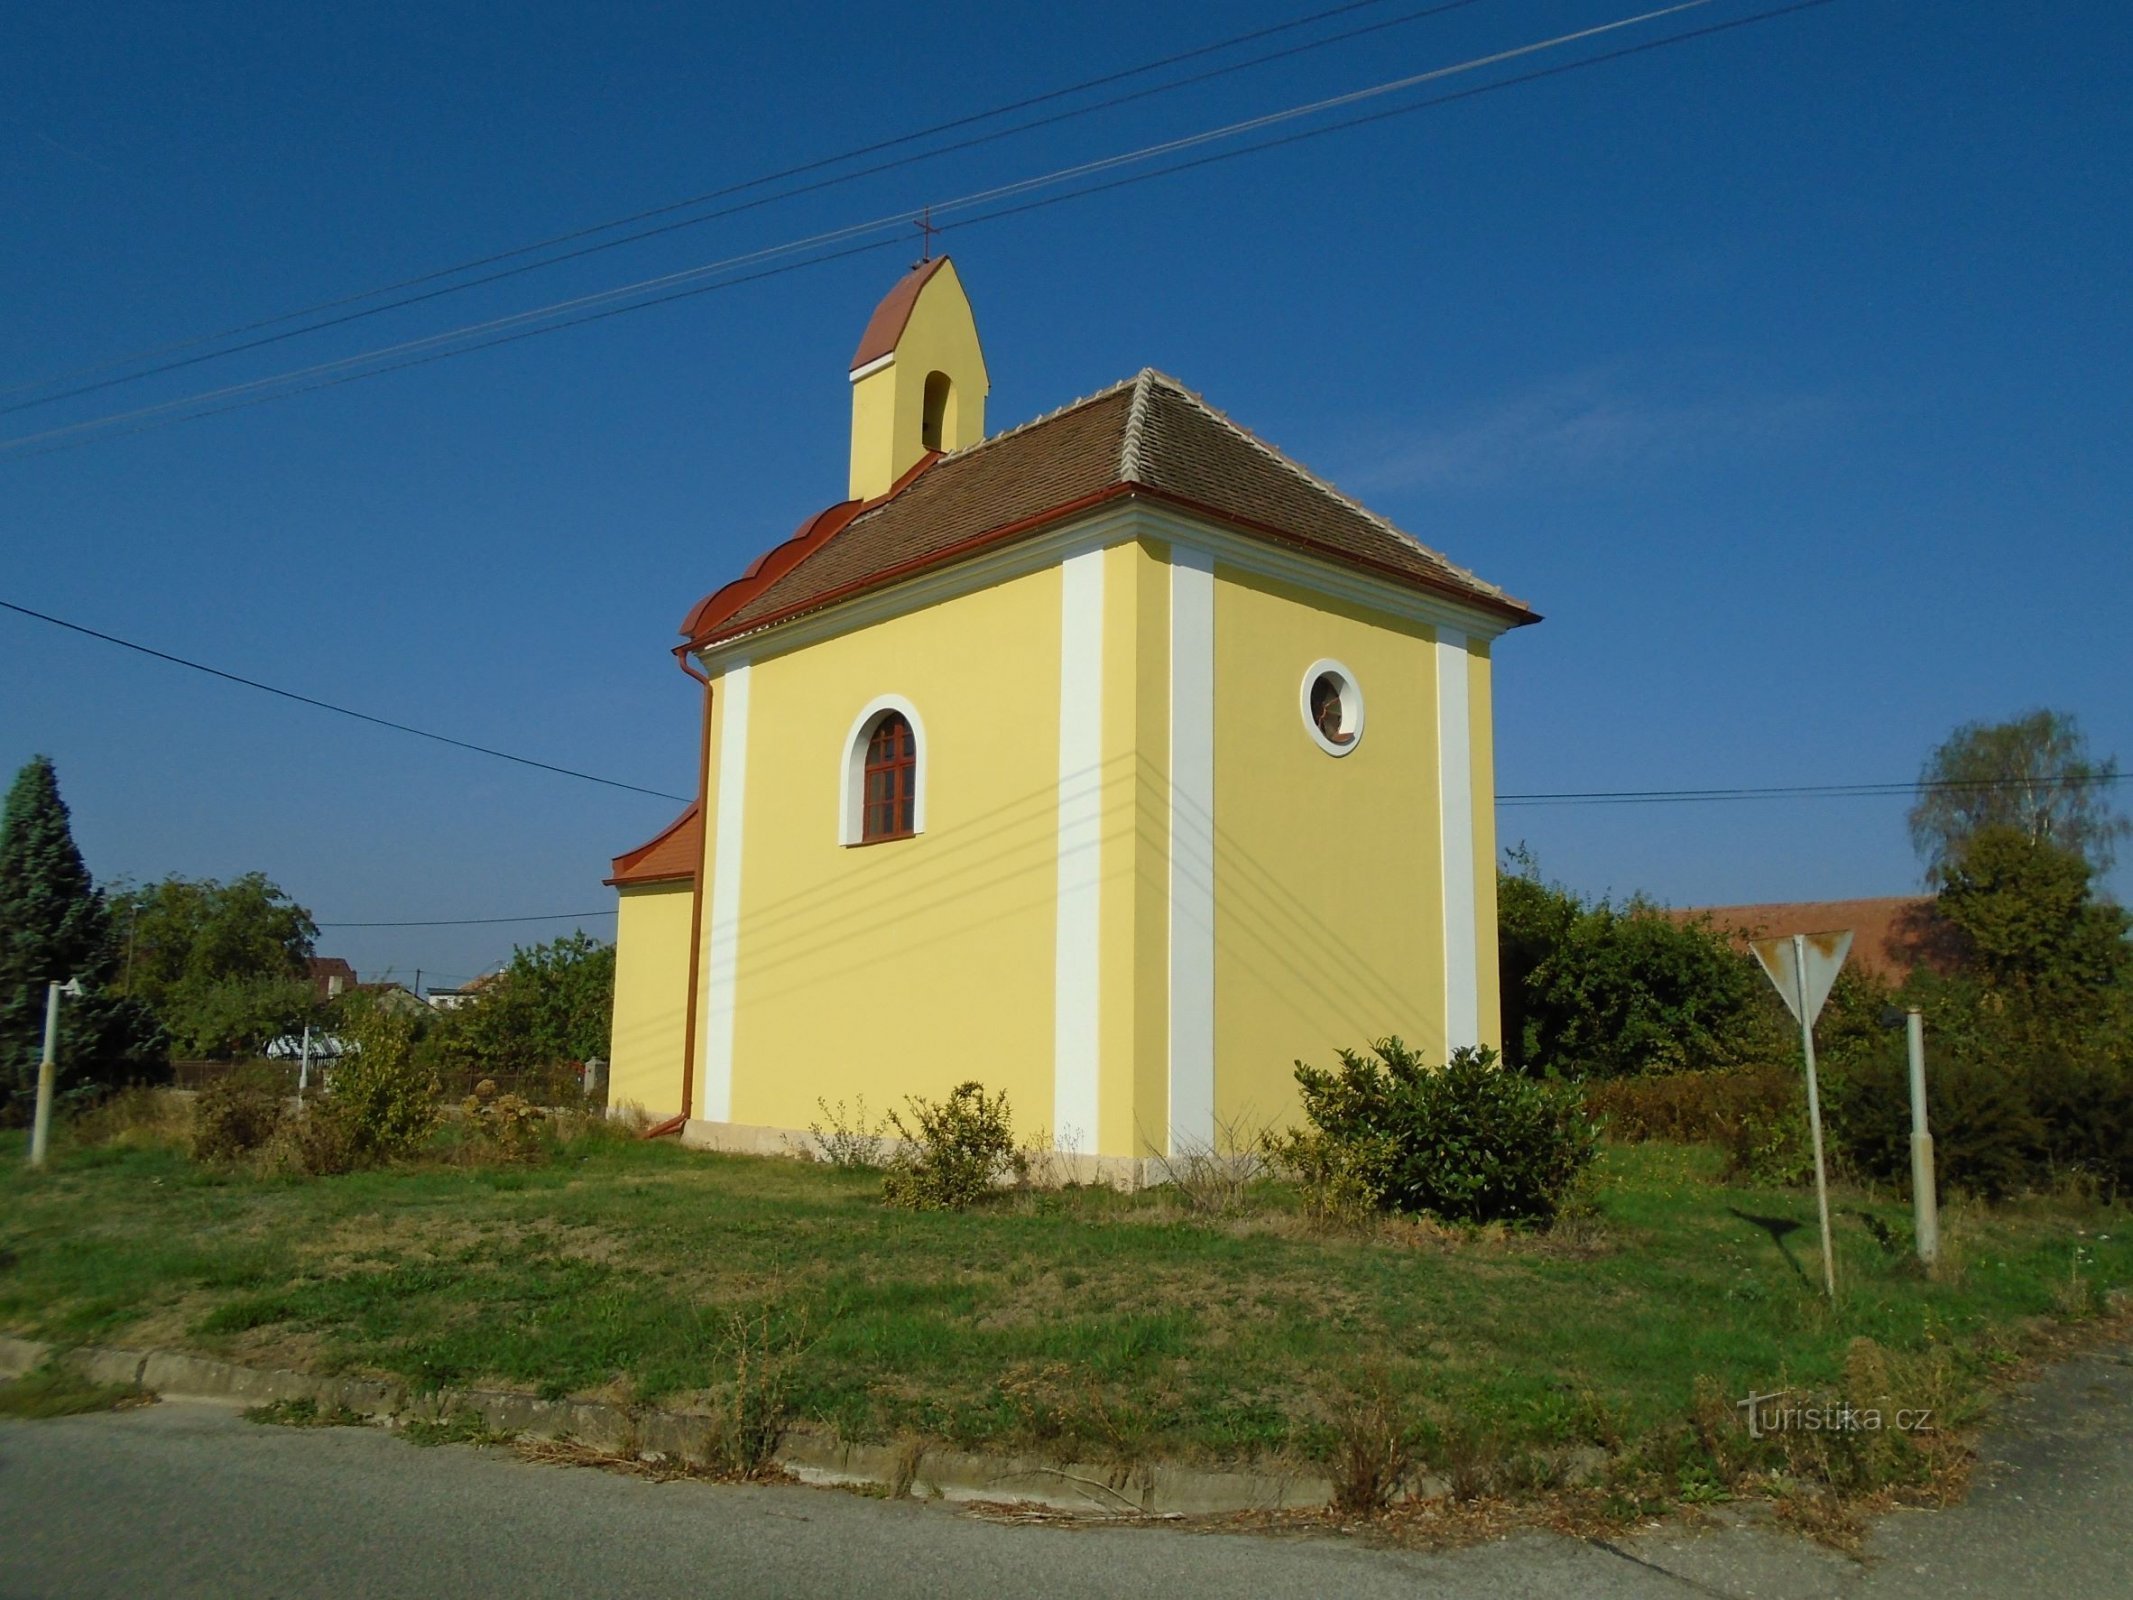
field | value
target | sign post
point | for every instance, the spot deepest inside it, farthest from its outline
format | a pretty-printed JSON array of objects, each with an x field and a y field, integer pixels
[{"x": 1803, "y": 967}]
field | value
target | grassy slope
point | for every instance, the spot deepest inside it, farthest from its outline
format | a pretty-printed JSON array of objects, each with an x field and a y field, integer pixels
[{"x": 1080, "y": 1320}]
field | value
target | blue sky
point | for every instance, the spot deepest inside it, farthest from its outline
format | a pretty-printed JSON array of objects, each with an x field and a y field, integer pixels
[{"x": 1784, "y": 371}]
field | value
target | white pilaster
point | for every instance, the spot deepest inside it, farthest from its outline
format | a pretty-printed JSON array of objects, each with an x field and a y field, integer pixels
[
  {"x": 722, "y": 962},
  {"x": 1077, "y": 968},
  {"x": 1192, "y": 849},
  {"x": 1455, "y": 805}
]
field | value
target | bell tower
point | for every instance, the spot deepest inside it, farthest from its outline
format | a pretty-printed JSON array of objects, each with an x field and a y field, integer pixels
[{"x": 918, "y": 378}]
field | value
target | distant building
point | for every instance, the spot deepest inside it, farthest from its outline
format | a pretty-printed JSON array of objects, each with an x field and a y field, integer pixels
[
  {"x": 466, "y": 994},
  {"x": 1892, "y": 935},
  {"x": 393, "y": 997},
  {"x": 331, "y": 977}
]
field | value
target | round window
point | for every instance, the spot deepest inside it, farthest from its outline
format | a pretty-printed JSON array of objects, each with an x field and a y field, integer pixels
[{"x": 1332, "y": 707}]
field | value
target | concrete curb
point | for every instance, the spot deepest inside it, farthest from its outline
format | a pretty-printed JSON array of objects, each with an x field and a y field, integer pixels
[{"x": 930, "y": 1472}]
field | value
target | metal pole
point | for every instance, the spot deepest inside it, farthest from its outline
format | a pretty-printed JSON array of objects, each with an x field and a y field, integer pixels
[
  {"x": 41, "y": 1127},
  {"x": 1814, "y": 1110},
  {"x": 1925, "y": 1206}
]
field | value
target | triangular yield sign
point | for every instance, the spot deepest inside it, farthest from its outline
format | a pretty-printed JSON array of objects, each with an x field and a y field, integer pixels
[{"x": 1824, "y": 955}]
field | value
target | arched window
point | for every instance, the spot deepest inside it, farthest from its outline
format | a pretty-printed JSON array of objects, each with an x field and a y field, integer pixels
[
  {"x": 891, "y": 795},
  {"x": 884, "y": 774},
  {"x": 938, "y": 419}
]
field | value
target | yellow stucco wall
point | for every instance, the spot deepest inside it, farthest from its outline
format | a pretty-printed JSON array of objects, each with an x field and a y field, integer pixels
[
  {"x": 1328, "y": 919},
  {"x": 908, "y": 966},
  {"x": 651, "y": 998},
  {"x": 888, "y": 406}
]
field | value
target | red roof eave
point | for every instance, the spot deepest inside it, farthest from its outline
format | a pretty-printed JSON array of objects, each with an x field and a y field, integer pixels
[
  {"x": 669, "y": 856},
  {"x": 1516, "y": 613}
]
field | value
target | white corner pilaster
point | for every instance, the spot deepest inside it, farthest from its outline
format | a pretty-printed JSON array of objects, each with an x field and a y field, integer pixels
[
  {"x": 1455, "y": 806},
  {"x": 723, "y": 955},
  {"x": 1077, "y": 969}
]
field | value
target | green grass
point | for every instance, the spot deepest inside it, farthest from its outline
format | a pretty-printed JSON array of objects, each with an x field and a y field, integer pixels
[
  {"x": 1078, "y": 1321},
  {"x": 54, "y": 1391}
]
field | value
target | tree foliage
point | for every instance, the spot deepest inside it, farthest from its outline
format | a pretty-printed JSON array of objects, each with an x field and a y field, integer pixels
[
  {"x": 2029, "y": 1034},
  {"x": 553, "y": 1005},
  {"x": 224, "y": 965},
  {"x": 2033, "y": 774},
  {"x": 55, "y": 926},
  {"x": 1467, "y": 1141},
  {"x": 1601, "y": 991}
]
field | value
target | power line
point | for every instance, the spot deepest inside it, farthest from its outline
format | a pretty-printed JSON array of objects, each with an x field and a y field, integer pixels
[
  {"x": 331, "y": 373},
  {"x": 668, "y": 209},
  {"x": 1573, "y": 797},
  {"x": 1804, "y": 791},
  {"x": 327, "y": 705}
]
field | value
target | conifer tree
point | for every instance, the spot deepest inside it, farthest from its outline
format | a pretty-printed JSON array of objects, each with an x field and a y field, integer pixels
[{"x": 54, "y": 926}]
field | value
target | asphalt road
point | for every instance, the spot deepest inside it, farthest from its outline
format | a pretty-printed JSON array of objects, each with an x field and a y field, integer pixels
[{"x": 187, "y": 1499}]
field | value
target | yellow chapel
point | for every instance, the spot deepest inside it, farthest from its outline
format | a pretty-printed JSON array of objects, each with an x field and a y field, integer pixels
[{"x": 1114, "y": 760}]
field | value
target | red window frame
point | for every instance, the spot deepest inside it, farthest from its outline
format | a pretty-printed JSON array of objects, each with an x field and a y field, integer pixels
[{"x": 889, "y": 797}]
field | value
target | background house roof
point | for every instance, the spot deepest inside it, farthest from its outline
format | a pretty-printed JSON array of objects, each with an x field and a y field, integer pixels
[
  {"x": 1148, "y": 436},
  {"x": 1891, "y": 935}
]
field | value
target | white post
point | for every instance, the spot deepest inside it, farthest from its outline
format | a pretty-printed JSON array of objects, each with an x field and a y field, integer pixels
[
  {"x": 1814, "y": 1110},
  {"x": 1925, "y": 1206},
  {"x": 41, "y": 1127},
  {"x": 303, "y": 1069}
]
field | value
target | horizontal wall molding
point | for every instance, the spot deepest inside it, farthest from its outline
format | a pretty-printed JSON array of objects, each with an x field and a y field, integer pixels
[{"x": 1116, "y": 522}]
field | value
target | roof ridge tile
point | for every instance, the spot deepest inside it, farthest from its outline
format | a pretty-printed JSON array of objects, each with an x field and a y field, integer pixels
[
  {"x": 1129, "y": 452},
  {"x": 1325, "y": 486}
]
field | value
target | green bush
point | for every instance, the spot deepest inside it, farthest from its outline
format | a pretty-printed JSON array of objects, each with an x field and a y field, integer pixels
[
  {"x": 1757, "y": 1115},
  {"x": 959, "y": 1149},
  {"x": 384, "y": 1097},
  {"x": 1469, "y": 1142},
  {"x": 239, "y": 1113},
  {"x": 316, "y": 1142},
  {"x": 501, "y": 1126},
  {"x": 1602, "y": 991}
]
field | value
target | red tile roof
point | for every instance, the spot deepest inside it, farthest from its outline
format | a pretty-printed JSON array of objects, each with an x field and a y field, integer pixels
[
  {"x": 1149, "y": 438},
  {"x": 670, "y": 856},
  {"x": 886, "y": 326},
  {"x": 1891, "y": 935}
]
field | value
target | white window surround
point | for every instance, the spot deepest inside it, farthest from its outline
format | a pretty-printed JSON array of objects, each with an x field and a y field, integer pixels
[
  {"x": 851, "y": 801},
  {"x": 1351, "y": 706}
]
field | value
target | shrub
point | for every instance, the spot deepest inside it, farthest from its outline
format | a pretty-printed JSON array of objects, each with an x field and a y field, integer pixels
[
  {"x": 1469, "y": 1142},
  {"x": 137, "y": 1118},
  {"x": 1757, "y": 1115},
  {"x": 1606, "y": 991},
  {"x": 1335, "y": 1178},
  {"x": 503, "y": 1127},
  {"x": 315, "y": 1142},
  {"x": 850, "y": 1141},
  {"x": 239, "y": 1113},
  {"x": 1986, "y": 1139},
  {"x": 958, "y": 1150},
  {"x": 385, "y": 1099}
]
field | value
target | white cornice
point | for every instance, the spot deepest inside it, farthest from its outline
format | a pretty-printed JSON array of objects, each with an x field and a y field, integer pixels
[
  {"x": 1116, "y": 522},
  {"x": 874, "y": 366}
]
